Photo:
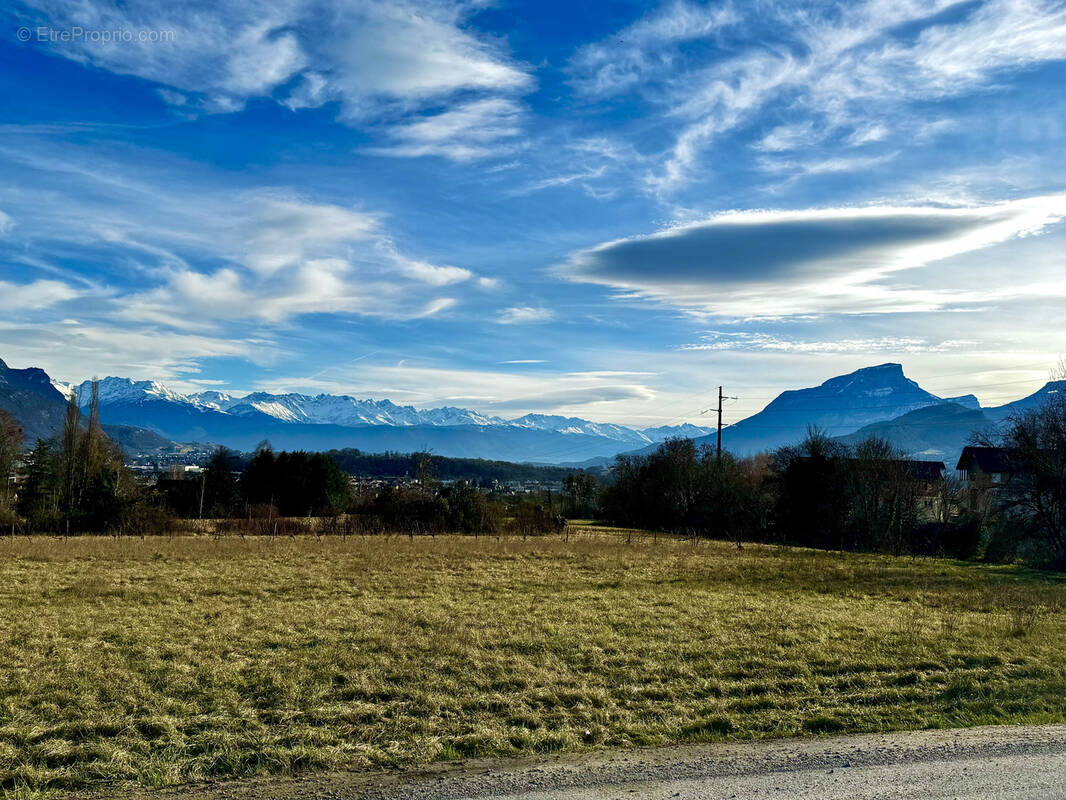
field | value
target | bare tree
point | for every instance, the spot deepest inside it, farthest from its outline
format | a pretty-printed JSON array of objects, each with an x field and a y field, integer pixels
[
  {"x": 10, "y": 445},
  {"x": 1036, "y": 491}
]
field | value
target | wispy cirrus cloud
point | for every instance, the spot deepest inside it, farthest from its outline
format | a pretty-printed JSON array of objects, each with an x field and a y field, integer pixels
[
  {"x": 75, "y": 350},
  {"x": 473, "y": 130},
  {"x": 204, "y": 254},
  {"x": 490, "y": 391},
  {"x": 525, "y": 315},
  {"x": 647, "y": 48},
  {"x": 835, "y": 66},
  {"x": 762, "y": 342}
]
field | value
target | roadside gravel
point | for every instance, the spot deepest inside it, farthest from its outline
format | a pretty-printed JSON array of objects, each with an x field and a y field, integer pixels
[{"x": 1013, "y": 763}]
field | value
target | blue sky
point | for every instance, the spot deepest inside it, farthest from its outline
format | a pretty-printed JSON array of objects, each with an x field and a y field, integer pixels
[{"x": 604, "y": 210}]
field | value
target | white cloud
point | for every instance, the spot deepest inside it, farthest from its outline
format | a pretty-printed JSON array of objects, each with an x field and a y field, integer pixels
[
  {"x": 583, "y": 177},
  {"x": 767, "y": 342},
  {"x": 195, "y": 300},
  {"x": 788, "y": 137},
  {"x": 6, "y": 224},
  {"x": 488, "y": 391},
  {"x": 370, "y": 56},
  {"x": 279, "y": 232},
  {"x": 33, "y": 296},
  {"x": 865, "y": 134},
  {"x": 838, "y": 66},
  {"x": 646, "y": 47},
  {"x": 206, "y": 255},
  {"x": 410, "y": 52},
  {"x": 473, "y": 130},
  {"x": 760, "y": 264},
  {"x": 430, "y": 273},
  {"x": 75, "y": 352},
  {"x": 172, "y": 98},
  {"x": 524, "y": 315},
  {"x": 824, "y": 166}
]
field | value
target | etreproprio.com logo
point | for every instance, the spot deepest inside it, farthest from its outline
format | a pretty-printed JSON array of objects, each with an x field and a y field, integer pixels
[{"x": 78, "y": 34}]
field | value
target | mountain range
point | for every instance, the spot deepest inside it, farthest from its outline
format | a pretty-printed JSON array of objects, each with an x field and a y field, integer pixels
[
  {"x": 145, "y": 414},
  {"x": 878, "y": 400},
  {"x": 315, "y": 422}
]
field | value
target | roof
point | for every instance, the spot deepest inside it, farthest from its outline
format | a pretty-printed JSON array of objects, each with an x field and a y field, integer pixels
[
  {"x": 927, "y": 470},
  {"x": 989, "y": 460},
  {"x": 920, "y": 470}
]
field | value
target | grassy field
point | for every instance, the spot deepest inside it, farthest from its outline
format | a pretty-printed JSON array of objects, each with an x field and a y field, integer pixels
[{"x": 161, "y": 661}]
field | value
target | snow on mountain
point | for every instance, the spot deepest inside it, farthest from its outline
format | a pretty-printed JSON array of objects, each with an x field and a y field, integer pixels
[
  {"x": 219, "y": 401},
  {"x": 575, "y": 425},
  {"x": 327, "y": 409},
  {"x": 664, "y": 432},
  {"x": 64, "y": 388},
  {"x": 343, "y": 410},
  {"x": 115, "y": 391},
  {"x": 839, "y": 406}
]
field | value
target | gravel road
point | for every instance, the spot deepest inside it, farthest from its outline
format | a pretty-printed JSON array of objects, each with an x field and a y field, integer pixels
[{"x": 1006, "y": 763}]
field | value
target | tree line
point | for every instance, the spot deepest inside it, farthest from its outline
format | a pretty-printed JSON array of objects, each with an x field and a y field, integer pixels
[
  {"x": 820, "y": 493},
  {"x": 481, "y": 472},
  {"x": 75, "y": 482},
  {"x": 271, "y": 486},
  {"x": 825, "y": 494}
]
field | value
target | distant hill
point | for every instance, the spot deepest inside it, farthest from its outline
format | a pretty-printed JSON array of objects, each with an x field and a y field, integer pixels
[
  {"x": 139, "y": 440},
  {"x": 933, "y": 433},
  {"x": 1030, "y": 403},
  {"x": 838, "y": 406},
  {"x": 941, "y": 431},
  {"x": 30, "y": 397},
  {"x": 398, "y": 465}
]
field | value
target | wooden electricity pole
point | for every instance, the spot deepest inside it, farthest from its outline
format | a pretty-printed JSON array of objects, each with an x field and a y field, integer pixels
[{"x": 719, "y": 456}]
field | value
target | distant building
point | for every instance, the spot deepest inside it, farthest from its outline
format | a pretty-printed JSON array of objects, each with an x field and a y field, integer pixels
[
  {"x": 989, "y": 466},
  {"x": 183, "y": 472}
]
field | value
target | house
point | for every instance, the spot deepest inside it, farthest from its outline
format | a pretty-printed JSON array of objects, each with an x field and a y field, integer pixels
[
  {"x": 989, "y": 466},
  {"x": 927, "y": 472}
]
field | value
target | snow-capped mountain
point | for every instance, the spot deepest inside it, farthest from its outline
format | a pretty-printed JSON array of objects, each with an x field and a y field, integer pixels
[
  {"x": 343, "y": 410},
  {"x": 324, "y": 421},
  {"x": 687, "y": 430},
  {"x": 839, "y": 406},
  {"x": 123, "y": 390},
  {"x": 575, "y": 425},
  {"x": 328, "y": 409}
]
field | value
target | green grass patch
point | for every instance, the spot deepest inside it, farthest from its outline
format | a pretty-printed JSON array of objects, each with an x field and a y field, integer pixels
[{"x": 155, "y": 662}]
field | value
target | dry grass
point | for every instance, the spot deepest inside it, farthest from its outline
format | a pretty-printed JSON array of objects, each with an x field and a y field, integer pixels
[{"x": 167, "y": 660}]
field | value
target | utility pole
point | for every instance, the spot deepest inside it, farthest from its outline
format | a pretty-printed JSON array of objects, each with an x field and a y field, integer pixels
[{"x": 719, "y": 456}]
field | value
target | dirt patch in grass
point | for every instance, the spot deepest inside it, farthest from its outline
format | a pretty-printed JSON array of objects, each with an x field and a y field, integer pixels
[{"x": 162, "y": 661}]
